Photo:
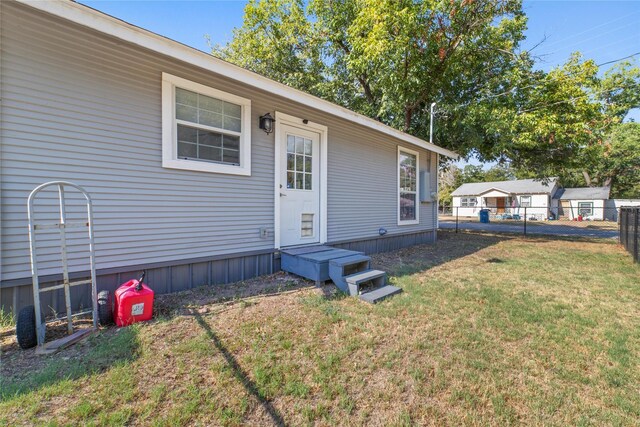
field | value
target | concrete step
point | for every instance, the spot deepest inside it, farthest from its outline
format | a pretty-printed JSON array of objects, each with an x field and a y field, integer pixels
[{"x": 379, "y": 294}]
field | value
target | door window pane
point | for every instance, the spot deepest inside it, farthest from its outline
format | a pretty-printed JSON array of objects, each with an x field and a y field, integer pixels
[{"x": 299, "y": 163}]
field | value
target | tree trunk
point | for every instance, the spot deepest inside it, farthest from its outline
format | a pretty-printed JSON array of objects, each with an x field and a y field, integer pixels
[
  {"x": 587, "y": 178},
  {"x": 408, "y": 114}
]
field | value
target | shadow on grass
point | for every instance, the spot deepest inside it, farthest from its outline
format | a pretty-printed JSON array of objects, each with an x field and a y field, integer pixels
[
  {"x": 24, "y": 372},
  {"x": 449, "y": 247},
  {"x": 239, "y": 373}
]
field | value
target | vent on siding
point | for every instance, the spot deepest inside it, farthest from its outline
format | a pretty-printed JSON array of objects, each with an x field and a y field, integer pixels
[{"x": 306, "y": 228}]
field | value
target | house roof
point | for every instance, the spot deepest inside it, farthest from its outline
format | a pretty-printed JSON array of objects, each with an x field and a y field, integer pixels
[
  {"x": 99, "y": 21},
  {"x": 583, "y": 193},
  {"x": 519, "y": 186}
]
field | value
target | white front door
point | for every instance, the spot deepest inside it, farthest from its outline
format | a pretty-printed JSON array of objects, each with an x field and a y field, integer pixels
[{"x": 299, "y": 186}]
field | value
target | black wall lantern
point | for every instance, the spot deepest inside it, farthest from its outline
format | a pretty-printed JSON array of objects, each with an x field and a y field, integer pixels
[{"x": 266, "y": 123}]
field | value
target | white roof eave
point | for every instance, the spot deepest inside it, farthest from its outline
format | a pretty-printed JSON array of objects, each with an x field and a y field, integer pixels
[{"x": 91, "y": 18}]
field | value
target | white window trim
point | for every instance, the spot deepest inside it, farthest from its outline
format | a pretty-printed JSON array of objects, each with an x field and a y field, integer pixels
[
  {"x": 415, "y": 153},
  {"x": 169, "y": 128},
  {"x": 530, "y": 201},
  {"x": 286, "y": 119}
]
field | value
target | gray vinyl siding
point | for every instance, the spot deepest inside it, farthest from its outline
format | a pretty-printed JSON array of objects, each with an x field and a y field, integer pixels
[
  {"x": 81, "y": 106},
  {"x": 363, "y": 187}
]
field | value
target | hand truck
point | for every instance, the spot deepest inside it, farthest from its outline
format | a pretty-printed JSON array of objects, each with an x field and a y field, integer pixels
[{"x": 31, "y": 327}]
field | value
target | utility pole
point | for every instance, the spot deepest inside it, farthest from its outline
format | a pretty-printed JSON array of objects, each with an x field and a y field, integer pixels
[{"x": 433, "y": 104}]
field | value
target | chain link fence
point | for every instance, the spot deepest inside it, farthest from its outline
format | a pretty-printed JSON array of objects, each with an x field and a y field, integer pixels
[
  {"x": 630, "y": 230},
  {"x": 584, "y": 221}
]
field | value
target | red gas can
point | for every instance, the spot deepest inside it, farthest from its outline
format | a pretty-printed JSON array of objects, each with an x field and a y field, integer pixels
[{"x": 133, "y": 302}]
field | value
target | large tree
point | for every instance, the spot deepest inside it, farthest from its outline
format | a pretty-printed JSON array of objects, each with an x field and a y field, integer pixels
[{"x": 390, "y": 59}]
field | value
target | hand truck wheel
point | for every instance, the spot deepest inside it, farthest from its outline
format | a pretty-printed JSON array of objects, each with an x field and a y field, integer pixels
[{"x": 26, "y": 332}]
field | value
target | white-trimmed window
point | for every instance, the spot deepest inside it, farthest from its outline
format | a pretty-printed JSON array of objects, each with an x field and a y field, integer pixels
[
  {"x": 525, "y": 201},
  {"x": 468, "y": 202},
  {"x": 407, "y": 187},
  {"x": 204, "y": 129}
]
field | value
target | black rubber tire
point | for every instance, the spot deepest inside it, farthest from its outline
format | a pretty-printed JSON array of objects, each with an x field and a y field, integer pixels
[
  {"x": 105, "y": 307},
  {"x": 26, "y": 327}
]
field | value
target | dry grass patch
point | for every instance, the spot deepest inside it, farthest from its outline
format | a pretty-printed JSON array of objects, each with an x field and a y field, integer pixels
[{"x": 489, "y": 330}]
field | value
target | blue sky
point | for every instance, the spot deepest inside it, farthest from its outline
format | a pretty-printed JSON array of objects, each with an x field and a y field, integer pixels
[{"x": 602, "y": 30}]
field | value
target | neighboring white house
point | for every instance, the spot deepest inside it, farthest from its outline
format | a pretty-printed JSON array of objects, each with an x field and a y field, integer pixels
[
  {"x": 542, "y": 199},
  {"x": 507, "y": 198},
  {"x": 584, "y": 202}
]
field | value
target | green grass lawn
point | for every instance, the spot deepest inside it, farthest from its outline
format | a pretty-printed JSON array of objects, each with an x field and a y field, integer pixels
[{"x": 489, "y": 331}]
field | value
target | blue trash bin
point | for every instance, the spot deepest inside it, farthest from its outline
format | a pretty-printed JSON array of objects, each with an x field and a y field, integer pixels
[{"x": 484, "y": 216}]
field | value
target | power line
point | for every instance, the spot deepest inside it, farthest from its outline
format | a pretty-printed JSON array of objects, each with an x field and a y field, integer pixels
[{"x": 619, "y": 59}]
